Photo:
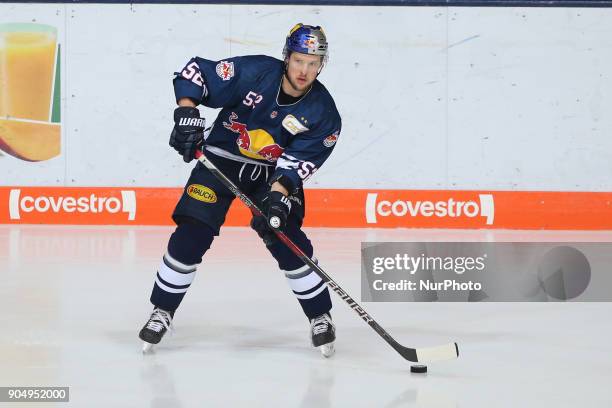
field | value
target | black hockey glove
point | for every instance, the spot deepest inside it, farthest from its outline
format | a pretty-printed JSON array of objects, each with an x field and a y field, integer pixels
[
  {"x": 188, "y": 133},
  {"x": 276, "y": 208}
]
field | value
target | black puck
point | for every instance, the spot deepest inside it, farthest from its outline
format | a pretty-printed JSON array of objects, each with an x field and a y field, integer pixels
[{"x": 418, "y": 369}]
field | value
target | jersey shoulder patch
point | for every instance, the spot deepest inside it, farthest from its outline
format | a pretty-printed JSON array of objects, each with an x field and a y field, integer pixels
[
  {"x": 225, "y": 70},
  {"x": 331, "y": 140}
]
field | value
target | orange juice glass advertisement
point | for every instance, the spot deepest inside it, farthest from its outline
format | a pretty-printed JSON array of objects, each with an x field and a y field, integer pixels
[
  {"x": 29, "y": 104},
  {"x": 27, "y": 64}
]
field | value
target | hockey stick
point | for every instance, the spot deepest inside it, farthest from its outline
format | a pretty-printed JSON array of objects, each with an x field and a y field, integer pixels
[{"x": 420, "y": 355}]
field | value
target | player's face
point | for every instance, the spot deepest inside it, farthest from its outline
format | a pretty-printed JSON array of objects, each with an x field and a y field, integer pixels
[{"x": 302, "y": 70}]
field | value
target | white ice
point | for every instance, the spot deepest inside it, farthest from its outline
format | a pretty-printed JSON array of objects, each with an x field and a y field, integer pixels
[{"x": 72, "y": 300}]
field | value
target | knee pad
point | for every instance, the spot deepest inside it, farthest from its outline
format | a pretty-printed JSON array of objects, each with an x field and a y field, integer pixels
[{"x": 190, "y": 241}]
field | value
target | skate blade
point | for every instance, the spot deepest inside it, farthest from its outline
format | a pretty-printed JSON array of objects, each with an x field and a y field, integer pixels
[
  {"x": 327, "y": 350},
  {"x": 146, "y": 347}
]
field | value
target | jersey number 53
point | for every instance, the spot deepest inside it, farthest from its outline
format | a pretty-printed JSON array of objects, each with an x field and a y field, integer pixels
[{"x": 252, "y": 99}]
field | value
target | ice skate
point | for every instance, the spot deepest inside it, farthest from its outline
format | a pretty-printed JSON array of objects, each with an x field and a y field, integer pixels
[
  {"x": 323, "y": 334},
  {"x": 153, "y": 331}
]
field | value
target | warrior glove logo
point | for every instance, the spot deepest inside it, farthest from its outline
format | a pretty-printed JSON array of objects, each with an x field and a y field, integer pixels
[
  {"x": 285, "y": 200},
  {"x": 195, "y": 122}
]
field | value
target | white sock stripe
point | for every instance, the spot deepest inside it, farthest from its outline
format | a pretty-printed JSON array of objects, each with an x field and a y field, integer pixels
[
  {"x": 303, "y": 284},
  {"x": 313, "y": 294},
  {"x": 169, "y": 289},
  {"x": 174, "y": 277},
  {"x": 291, "y": 274},
  {"x": 306, "y": 292},
  {"x": 179, "y": 266},
  {"x": 297, "y": 271}
]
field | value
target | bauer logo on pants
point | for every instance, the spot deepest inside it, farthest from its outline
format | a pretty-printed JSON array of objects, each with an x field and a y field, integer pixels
[
  {"x": 202, "y": 193},
  {"x": 478, "y": 210},
  {"x": 35, "y": 206}
]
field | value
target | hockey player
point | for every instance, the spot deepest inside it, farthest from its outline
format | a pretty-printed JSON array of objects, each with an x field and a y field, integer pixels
[{"x": 277, "y": 126}]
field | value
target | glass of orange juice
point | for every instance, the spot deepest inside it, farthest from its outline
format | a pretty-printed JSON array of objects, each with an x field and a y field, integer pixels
[{"x": 27, "y": 65}]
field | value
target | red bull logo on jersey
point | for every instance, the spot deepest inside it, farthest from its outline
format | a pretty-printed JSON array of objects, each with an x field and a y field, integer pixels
[
  {"x": 257, "y": 144},
  {"x": 331, "y": 140},
  {"x": 225, "y": 70}
]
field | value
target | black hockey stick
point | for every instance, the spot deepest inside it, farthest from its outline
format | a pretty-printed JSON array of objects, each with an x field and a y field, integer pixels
[{"x": 420, "y": 355}]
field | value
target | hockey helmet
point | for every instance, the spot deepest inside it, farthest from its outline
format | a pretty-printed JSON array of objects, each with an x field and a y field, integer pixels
[{"x": 306, "y": 39}]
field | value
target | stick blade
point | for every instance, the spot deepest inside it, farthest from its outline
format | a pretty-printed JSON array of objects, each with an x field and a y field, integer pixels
[{"x": 438, "y": 353}]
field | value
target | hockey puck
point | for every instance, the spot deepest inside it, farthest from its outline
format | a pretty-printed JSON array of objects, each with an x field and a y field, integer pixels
[{"x": 418, "y": 369}]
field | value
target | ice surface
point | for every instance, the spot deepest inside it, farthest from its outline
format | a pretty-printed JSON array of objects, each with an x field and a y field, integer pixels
[{"x": 74, "y": 298}]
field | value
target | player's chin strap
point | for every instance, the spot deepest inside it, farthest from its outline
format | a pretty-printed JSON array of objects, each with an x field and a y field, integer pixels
[{"x": 425, "y": 355}]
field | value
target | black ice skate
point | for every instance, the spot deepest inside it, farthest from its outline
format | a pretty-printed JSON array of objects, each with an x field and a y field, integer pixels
[
  {"x": 323, "y": 334},
  {"x": 153, "y": 331}
]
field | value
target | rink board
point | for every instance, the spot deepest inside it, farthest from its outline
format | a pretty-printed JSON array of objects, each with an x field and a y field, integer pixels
[{"x": 325, "y": 208}]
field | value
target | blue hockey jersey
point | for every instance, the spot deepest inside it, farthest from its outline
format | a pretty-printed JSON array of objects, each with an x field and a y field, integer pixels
[{"x": 252, "y": 126}]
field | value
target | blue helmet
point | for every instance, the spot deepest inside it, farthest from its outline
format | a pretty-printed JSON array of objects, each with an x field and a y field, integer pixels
[{"x": 306, "y": 39}]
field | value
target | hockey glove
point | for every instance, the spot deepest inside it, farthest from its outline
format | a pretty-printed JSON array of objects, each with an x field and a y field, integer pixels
[
  {"x": 188, "y": 133},
  {"x": 277, "y": 207}
]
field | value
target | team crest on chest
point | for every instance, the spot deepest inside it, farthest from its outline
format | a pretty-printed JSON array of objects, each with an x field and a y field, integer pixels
[
  {"x": 225, "y": 70},
  {"x": 273, "y": 114}
]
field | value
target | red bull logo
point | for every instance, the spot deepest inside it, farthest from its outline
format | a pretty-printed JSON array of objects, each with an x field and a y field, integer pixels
[
  {"x": 225, "y": 70},
  {"x": 256, "y": 144},
  {"x": 331, "y": 140},
  {"x": 311, "y": 43}
]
